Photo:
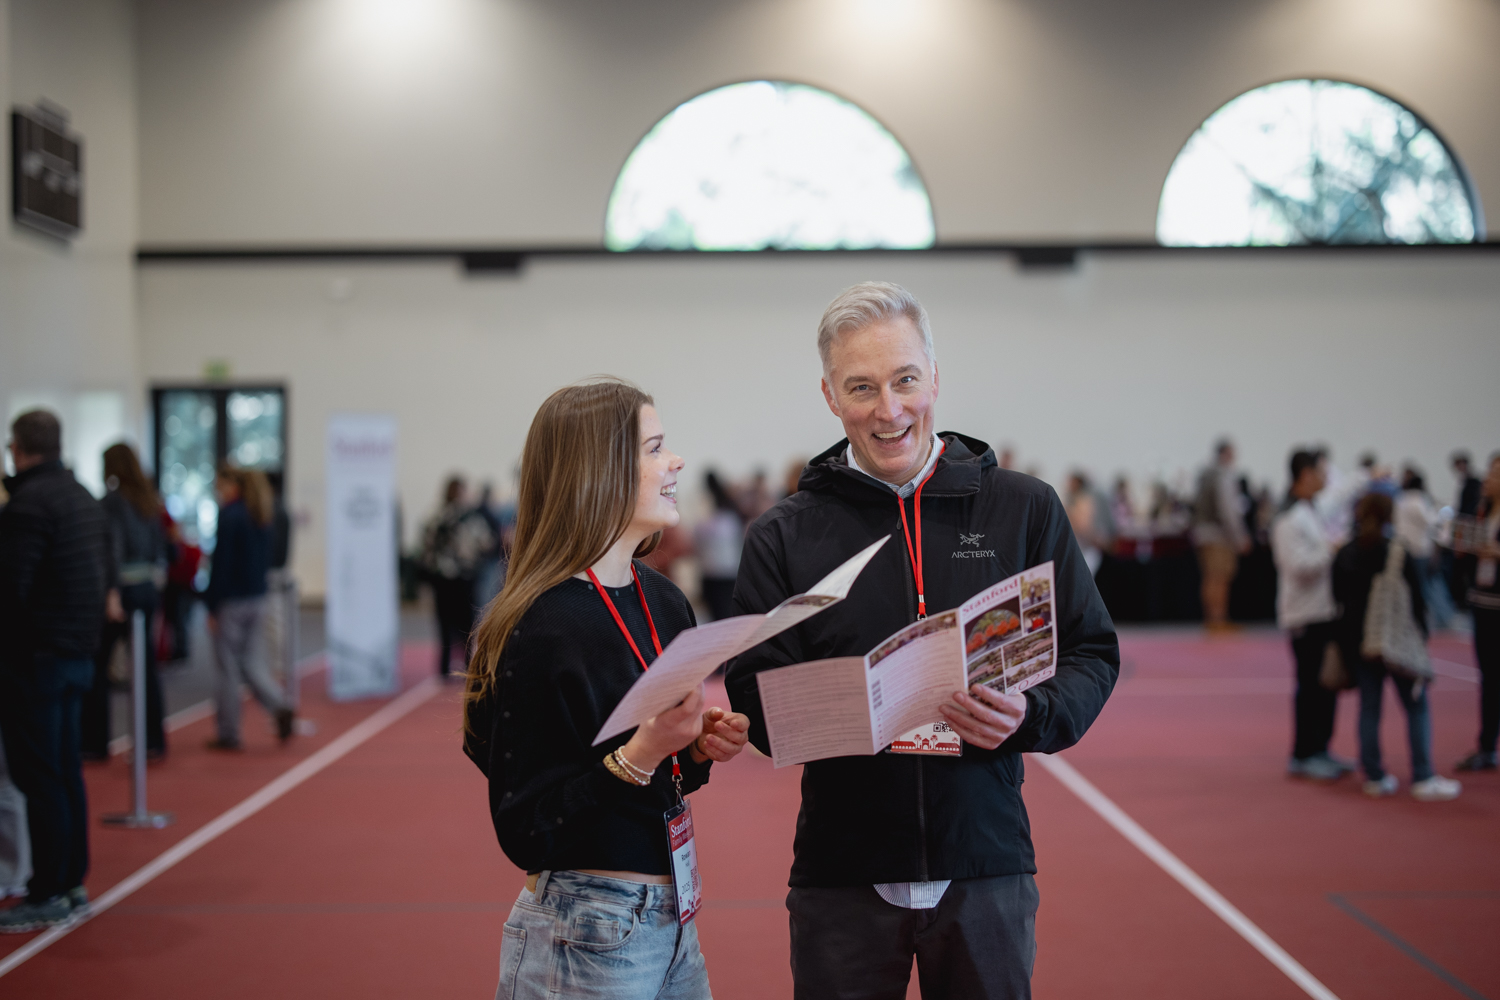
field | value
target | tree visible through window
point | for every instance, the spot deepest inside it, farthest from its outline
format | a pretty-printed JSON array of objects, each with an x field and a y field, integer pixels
[
  {"x": 764, "y": 165},
  {"x": 1316, "y": 161}
]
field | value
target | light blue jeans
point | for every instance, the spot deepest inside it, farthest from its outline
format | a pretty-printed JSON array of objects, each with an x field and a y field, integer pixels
[{"x": 580, "y": 936}]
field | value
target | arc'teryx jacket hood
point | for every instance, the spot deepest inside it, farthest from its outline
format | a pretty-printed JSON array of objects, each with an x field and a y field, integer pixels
[{"x": 901, "y": 818}]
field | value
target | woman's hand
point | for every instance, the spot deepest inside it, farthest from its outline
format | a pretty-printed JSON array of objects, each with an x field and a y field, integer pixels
[
  {"x": 986, "y": 718},
  {"x": 724, "y": 735},
  {"x": 665, "y": 734}
]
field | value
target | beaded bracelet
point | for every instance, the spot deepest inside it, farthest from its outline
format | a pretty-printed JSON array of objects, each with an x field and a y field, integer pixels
[{"x": 639, "y": 772}]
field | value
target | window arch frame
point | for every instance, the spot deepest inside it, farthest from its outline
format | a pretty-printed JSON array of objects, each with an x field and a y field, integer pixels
[
  {"x": 790, "y": 82},
  {"x": 1476, "y": 206}
]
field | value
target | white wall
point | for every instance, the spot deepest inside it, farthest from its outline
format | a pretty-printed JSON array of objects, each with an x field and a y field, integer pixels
[
  {"x": 1131, "y": 363},
  {"x": 506, "y": 121},
  {"x": 67, "y": 310}
]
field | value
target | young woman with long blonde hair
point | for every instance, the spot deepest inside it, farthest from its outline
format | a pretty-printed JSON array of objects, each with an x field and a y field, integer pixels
[{"x": 579, "y": 619}]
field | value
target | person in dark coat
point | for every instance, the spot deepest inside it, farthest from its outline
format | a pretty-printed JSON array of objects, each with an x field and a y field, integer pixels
[
  {"x": 901, "y": 855},
  {"x": 54, "y": 570},
  {"x": 1355, "y": 569},
  {"x": 140, "y": 560}
]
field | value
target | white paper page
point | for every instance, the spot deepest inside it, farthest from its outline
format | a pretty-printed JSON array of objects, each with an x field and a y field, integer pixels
[
  {"x": 688, "y": 659},
  {"x": 830, "y": 590},
  {"x": 694, "y": 654},
  {"x": 816, "y": 710},
  {"x": 912, "y": 673}
]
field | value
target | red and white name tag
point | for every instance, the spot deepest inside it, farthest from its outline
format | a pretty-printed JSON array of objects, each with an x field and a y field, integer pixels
[
  {"x": 685, "y": 877},
  {"x": 937, "y": 738}
]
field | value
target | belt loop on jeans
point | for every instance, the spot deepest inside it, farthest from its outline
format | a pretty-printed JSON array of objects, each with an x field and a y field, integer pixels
[{"x": 541, "y": 884}]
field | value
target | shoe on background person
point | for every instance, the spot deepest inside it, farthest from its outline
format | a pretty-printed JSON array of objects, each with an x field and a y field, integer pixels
[
  {"x": 1316, "y": 768},
  {"x": 285, "y": 724},
  {"x": 1477, "y": 761},
  {"x": 1379, "y": 789},
  {"x": 28, "y": 916},
  {"x": 78, "y": 899},
  {"x": 225, "y": 746},
  {"x": 1344, "y": 764},
  {"x": 1435, "y": 789}
]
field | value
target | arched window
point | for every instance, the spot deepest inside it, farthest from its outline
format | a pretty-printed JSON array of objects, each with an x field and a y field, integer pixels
[
  {"x": 1316, "y": 161},
  {"x": 764, "y": 165}
]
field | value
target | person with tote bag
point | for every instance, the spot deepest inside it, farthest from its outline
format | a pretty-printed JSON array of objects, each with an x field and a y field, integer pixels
[
  {"x": 579, "y": 619},
  {"x": 1383, "y": 633}
]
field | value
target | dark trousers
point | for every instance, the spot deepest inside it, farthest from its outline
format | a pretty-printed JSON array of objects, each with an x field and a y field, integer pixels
[
  {"x": 454, "y": 602},
  {"x": 1487, "y": 652},
  {"x": 979, "y": 942},
  {"x": 1372, "y": 675},
  {"x": 40, "y": 700},
  {"x": 96, "y": 703},
  {"x": 1313, "y": 706}
]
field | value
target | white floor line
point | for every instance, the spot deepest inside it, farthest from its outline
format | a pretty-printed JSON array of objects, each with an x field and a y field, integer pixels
[
  {"x": 234, "y": 817},
  {"x": 306, "y": 667},
  {"x": 1458, "y": 671},
  {"x": 1189, "y": 879}
]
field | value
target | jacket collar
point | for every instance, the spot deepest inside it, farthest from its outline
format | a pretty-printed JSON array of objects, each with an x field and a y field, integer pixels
[
  {"x": 20, "y": 479},
  {"x": 957, "y": 472}
]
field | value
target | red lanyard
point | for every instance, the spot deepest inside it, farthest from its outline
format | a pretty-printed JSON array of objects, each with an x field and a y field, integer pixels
[
  {"x": 650, "y": 622},
  {"x": 913, "y": 551}
]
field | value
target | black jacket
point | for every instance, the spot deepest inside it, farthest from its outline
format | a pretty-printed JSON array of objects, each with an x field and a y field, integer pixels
[
  {"x": 1355, "y": 568},
  {"x": 554, "y": 804},
  {"x": 242, "y": 556},
  {"x": 899, "y": 818},
  {"x": 55, "y": 565},
  {"x": 139, "y": 549}
]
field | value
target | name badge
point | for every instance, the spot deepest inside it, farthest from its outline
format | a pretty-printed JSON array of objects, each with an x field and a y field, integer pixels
[
  {"x": 936, "y": 739},
  {"x": 685, "y": 879}
]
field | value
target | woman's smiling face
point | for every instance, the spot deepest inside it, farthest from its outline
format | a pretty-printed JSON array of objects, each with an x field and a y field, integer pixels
[{"x": 656, "y": 503}]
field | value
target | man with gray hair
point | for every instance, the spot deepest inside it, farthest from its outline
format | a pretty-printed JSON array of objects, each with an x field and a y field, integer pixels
[{"x": 924, "y": 854}]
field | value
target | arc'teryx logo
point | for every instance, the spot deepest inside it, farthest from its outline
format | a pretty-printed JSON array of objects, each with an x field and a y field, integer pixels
[{"x": 973, "y": 553}]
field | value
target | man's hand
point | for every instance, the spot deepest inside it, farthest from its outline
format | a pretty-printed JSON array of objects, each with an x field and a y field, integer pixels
[
  {"x": 724, "y": 735},
  {"x": 114, "y": 610},
  {"x": 985, "y": 718}
]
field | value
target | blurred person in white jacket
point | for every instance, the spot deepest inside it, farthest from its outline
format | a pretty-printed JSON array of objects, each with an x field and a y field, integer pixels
[
  {"x": 1306, "y": 609},
  {"x": 1417, "y": 523}
]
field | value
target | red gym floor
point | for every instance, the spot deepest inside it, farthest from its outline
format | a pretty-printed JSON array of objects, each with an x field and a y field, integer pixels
[{"x": 378, "y": 875}]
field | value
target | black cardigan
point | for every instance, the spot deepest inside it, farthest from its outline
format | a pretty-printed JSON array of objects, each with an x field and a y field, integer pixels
[{"x": 554, "y": 804}]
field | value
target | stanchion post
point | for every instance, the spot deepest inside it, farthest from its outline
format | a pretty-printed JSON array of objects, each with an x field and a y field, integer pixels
[{"x": 139, "y": 817}]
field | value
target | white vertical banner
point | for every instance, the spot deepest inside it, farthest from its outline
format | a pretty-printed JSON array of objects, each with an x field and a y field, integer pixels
[{"x": 363, "y": 611}]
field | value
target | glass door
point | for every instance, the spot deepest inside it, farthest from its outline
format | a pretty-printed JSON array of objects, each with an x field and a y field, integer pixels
[{"x": 196, "y": 428}]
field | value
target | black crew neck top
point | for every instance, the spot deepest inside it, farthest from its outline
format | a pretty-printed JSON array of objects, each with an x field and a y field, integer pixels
[{"x": 566, "y": 666}]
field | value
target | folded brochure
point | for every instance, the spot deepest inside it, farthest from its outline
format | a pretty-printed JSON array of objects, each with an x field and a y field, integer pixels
[
  {"x": 696, "y": 652},
  {"x": 1002, "y": 638}
]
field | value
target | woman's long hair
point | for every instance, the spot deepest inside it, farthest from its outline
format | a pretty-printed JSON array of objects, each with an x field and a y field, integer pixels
[
  {"x": 121, "y": 465},
  {"x": 255, "y": 490},
  {"x": 1371, "y": 517},
  {"x": 580, "y": 473}
]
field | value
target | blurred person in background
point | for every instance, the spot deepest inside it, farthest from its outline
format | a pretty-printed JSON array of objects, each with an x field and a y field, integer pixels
[
  {"x": 793, "y": 474},
  {"x": 1458, "y": 567},
  {"x": 179, "y": 592},
  {"x": 456, "y": 542},
  {"x": 1335, "y": 504},
  {"x": 55, "y": 555},
  {"x": 1219, "y": 534},
  {"x": 1416, "y": 525},
  {"x": 492, "y": 566},
  {"x": 1306, "y": 610},
  {"x": 236, "y": 599},
  {"x": 755, "y": 497},
  {"x": 719, "y": 538},
  {"x": 1122, "y": 509},
  {"x": 1484, "y": 605},
  {"x": 140, "y": 561},
  {"x": 15, "y": 844},
  {"x": 1354, "y": 571},
  {"x": 1089, "y": 515}
]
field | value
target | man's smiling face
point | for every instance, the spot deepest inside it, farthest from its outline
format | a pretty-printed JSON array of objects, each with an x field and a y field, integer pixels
[{"x": 883, "y": 387}]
